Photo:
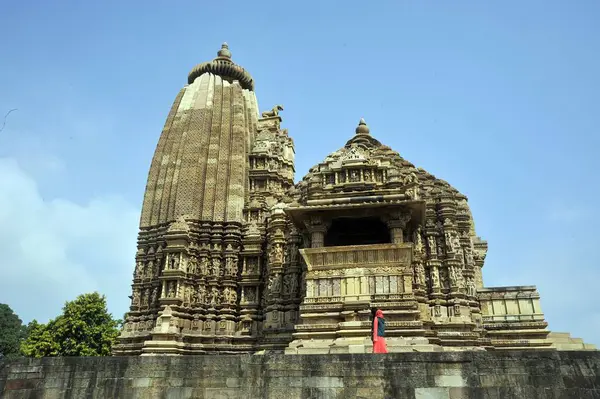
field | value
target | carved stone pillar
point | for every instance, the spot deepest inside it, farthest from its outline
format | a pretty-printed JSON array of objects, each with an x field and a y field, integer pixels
[
  {"x": 252, "y": 255},
  {"x": 291, "y": 279},
  {"x": 396, "y": 222},
  {"x": 274, "y": 278},
  {"x": 317, "y": 228}
]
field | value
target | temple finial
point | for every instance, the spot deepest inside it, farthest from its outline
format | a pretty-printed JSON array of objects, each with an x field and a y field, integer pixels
[
  {"x": 362, "y": 127},
  {"x": 224, "y": 52}
]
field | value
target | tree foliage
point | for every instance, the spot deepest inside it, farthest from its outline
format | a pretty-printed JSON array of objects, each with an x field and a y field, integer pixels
[
  {"x": 85, "y": 328},
  {"x": 12, "y": 332}
]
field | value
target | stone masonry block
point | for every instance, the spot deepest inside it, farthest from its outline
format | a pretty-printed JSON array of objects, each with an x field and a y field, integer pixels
[{"x": 432, "y": 393}]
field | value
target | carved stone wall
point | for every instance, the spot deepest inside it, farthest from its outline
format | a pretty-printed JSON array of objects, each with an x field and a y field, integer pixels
[{"x": 357, "y": 273}]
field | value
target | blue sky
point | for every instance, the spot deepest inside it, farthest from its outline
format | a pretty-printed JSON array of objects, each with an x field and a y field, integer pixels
[{"x": 501, "y": 99}]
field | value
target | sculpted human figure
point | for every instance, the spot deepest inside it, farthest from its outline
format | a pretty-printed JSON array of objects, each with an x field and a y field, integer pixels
[
  {"x": 226, "y": 294},
  {"x": 154, "y": 295},
  {"x": 194, "y": 299},
  {"x": 216, "y": 267},
  {"x": 453, "y": 275},
  {"x": 418, "y": 240},
  {"x": 471, "y": 290},
  {"x": 275, "y": 283},
  {"x": 435, "y": 278},
  {"x": 231, "y": 266},
  {"x": 192, "y": 265},
  {"x": 444, "y": 278},
  {"x": 204, "y": 265},
  {"x": 468, "y": 256},
  {"x": 293, "y": 284},
  {"x": 441, "y": 249},
  {"x": 201, "y": 294},
  {"x": 272, "y": 254},
  {"x": 456, "y": 243},
  {"x": 457, "y": 310},
  {"x": 214, "y": 296},
  {"x": 136, "y": 298},
  {"x": 228, "y": 262},
  {"x": 417, "y": 273},
  {"x": 147, "y": 269},
  {"x": 448, "y": 238},
  {"x": 420, "y": 274},
  {"x": 432, "y": 246},
  {"x": 138, "y": 270},
  {"x": 158, "y": 264},
  {"x": 460, "y": 279},
  {"x": 278, "y": 253}
]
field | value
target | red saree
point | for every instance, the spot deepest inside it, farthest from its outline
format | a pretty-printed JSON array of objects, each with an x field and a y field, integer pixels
[{"x": 379, "y": 333}]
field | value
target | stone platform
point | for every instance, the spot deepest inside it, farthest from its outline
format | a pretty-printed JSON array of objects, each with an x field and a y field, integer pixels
[{"x": 498, "y": 374}]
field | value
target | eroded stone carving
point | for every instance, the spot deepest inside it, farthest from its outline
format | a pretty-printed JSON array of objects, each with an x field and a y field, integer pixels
[{"x": 273, "y": 112}]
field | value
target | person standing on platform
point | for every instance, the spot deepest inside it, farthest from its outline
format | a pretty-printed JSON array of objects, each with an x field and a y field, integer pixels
[{"x": 379, "y": 333}]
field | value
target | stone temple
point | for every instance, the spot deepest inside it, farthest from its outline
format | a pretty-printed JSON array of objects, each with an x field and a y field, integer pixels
[{"x": 234, "y": 257}]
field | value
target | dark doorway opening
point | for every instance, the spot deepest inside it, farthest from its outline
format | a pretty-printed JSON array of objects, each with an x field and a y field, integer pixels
[{"x": 357, "y": 231}]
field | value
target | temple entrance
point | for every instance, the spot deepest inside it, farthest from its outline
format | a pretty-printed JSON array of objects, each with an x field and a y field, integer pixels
[{"x": 357, "y": 231}]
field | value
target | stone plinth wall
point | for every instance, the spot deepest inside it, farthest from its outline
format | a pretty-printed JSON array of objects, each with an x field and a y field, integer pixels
[{"x": 524, "y": 375}]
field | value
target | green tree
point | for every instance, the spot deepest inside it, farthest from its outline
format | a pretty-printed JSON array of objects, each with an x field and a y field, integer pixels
[
  {"x": 85, "y": 328},
  {"x": 12, "y": 332}
]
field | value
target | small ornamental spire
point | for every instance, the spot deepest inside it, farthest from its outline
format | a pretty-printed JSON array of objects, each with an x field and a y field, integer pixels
[
  {"x": 224, "y": 52},
  {"x": 362, "y": 127}
]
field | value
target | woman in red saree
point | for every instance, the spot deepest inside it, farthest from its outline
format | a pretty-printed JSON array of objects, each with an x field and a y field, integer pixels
[{"x": 379, "y": 333}]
